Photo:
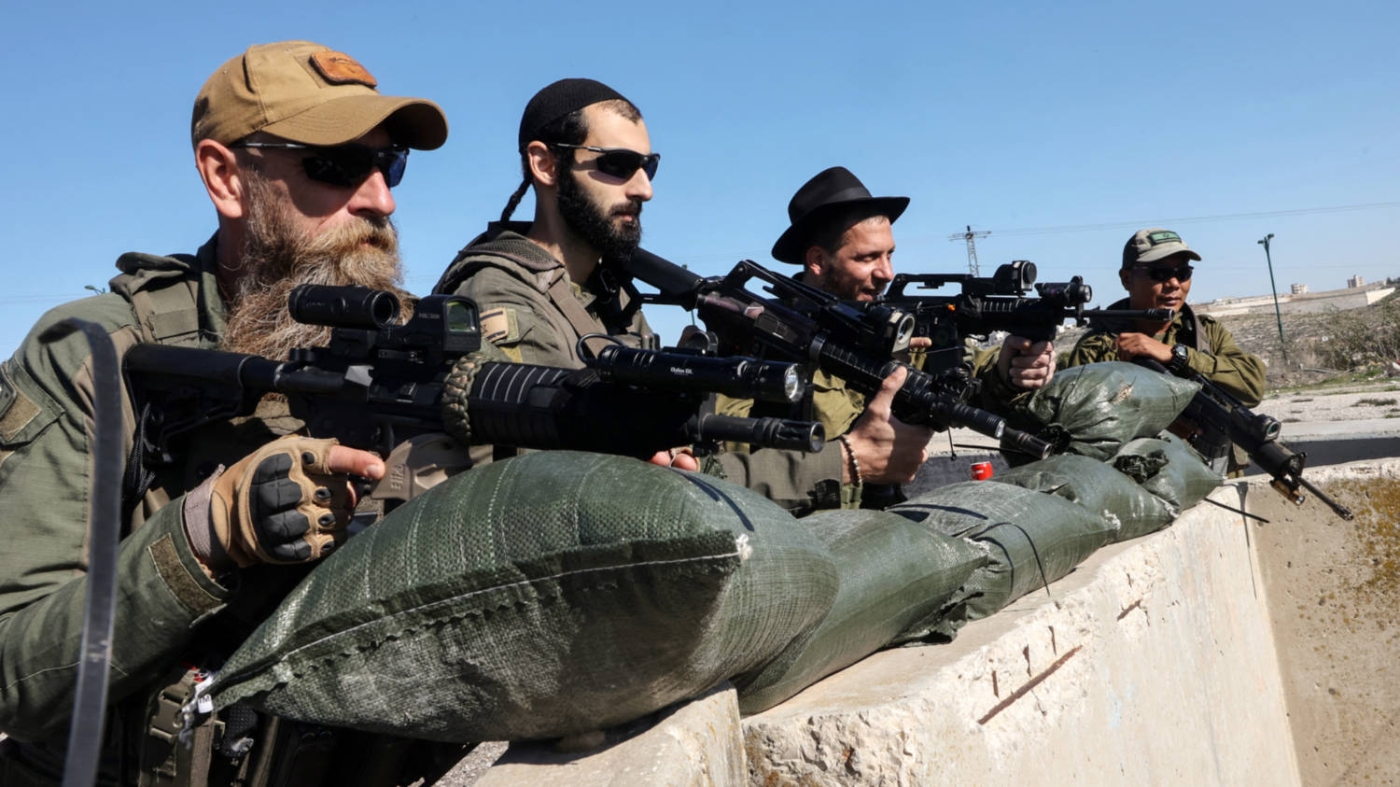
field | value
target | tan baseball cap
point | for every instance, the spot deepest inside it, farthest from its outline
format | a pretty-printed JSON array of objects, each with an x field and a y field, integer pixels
[
  {"x": 1154, "y": 244},
  {"x": 311, "y": 94}
]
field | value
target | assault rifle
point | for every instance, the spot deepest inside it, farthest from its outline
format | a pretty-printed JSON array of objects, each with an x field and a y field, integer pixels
[
  {"x": 997, "y": 303},
  {"x": 415, "y": 393},
  {"x": 1214, "y": 410},
  {"x": 804, "y": 324}
]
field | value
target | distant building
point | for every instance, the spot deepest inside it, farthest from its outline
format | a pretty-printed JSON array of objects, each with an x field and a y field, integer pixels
[{"x": 1301, "y": 300}]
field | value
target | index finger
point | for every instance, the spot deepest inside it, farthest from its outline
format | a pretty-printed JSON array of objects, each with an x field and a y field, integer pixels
[
  {"x": 353, "y": 461},
  {"x": 890, "y": 386}
]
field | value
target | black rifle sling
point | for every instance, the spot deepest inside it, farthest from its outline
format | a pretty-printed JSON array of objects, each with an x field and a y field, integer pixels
[
  {"x": 139, "y": 477},
  {"x": 582, "y": 322}
]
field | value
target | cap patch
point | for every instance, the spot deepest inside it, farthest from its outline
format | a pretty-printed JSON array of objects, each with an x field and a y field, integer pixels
[
  {"x": 1165, "y": 236},
  {"x": 339, "y": 68}
]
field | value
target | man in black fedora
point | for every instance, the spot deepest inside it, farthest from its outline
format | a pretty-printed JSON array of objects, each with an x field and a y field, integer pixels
[{"x": 842, "y": 237}]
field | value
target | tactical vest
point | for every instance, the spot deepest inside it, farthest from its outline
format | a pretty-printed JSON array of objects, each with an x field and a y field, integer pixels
[
  {"x": 618, "y": 300},
  {"x": 236, "y": 747}
]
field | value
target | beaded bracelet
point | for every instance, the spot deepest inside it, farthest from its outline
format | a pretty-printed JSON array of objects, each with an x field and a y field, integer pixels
[{"x": 855, "y": 463}]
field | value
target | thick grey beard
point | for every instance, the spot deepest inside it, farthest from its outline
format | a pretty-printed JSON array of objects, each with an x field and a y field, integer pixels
[{"x": 277, "y": 257}]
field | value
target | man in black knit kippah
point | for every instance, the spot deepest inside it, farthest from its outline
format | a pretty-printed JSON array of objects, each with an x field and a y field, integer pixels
[{"x": 544, "y": 284}]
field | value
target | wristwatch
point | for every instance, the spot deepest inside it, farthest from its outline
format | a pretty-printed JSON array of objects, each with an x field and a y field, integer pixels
[{"x": 1178, "y": 361}]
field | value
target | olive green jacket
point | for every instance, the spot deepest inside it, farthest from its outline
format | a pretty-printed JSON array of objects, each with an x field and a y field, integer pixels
[
  {"x": 836, "y": 406},
  {"x": 523, "y": 293},
  {"x": 1211, "y": 351},
  {"x": 46, "y": 430}
]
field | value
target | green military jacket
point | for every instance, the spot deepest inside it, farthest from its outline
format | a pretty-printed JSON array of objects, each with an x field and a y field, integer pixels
[
  {"x": 530, "y": 308},
  {"x": 836, "y": 406},
  {"x": 46, "y": 430},
  {"x": 1211, "y": 351}
]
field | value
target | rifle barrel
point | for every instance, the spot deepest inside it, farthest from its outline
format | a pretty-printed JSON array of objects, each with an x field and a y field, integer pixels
[{"x": 1342, "y": 511}]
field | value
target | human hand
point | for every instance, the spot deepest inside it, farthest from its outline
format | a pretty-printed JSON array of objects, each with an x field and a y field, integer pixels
[
  {"x": 1026, "y": 364},
  {"x": 287, "y": 502},
  {"x": 918, "y": 344},
  {"x": 1131, "y": 345},
  {"x": 679, "y": 458},
  {"x": 888, "y": 450}
]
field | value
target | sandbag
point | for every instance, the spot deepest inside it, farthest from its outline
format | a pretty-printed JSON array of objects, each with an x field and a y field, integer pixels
[
  {"x": 1099, "y": 487},
  {"x": 1169, "y": 468},
  {"x": 1094, "y": 409},
  {"x": 548, "y": 595},
  {"x": 894, "y": 575},
  {"x": 1031, "y": 539}
]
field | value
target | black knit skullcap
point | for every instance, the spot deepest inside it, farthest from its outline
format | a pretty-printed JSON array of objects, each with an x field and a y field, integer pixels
[{"x": 559, "y": 99}]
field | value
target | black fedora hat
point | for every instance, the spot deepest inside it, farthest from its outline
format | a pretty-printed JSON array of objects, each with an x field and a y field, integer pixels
[{"x": 819, "y": 199}]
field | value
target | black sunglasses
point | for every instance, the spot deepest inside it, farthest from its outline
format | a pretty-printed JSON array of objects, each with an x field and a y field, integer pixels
[
  {"x": 1162, "y": 273},
  {"x": 620, "y": 162},
  {"x": 345, "y": 165}
]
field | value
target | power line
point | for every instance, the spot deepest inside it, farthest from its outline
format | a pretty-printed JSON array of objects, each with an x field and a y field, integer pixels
[{"x": 1196, "y": 219}]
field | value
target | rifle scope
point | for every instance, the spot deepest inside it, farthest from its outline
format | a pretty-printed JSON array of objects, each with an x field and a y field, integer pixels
[
  {"x": 742, "y": 378},
  {"x": 342, "y": 307},
  {"x": 1071, "y": 293},
  {"x": 1013, "y": 278}
]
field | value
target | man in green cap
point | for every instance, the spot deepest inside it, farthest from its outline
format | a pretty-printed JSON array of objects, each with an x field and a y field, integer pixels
[
  {"x": 544, "y": 285},
  {"x": 1156, "y": 271},
  {"x": 297, "y": 150}
]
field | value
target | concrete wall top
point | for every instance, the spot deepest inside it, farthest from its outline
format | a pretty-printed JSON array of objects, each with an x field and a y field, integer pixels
[{"x": 1155, "y": 662}]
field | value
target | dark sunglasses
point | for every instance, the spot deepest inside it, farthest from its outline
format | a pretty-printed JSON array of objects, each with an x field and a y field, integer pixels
[
  {"x": 1162, "y": 273},
  {"x": 620, "y": 162},
  {"x": 345, "y": 165}
]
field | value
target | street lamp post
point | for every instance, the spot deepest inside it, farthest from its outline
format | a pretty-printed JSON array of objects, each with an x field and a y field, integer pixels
[{"x": 1277, "y": 315}]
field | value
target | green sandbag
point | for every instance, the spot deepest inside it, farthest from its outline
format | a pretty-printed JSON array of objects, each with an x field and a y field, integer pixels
[
  {"x": 1170, "y": 469},
  {"x": 1031, "y": 539},
  {"x": 1133, "y": 510},
  {"x": 1094, "y": 409},
  {"x": 548, "y": 595},
  {"x": 894, "y": 574}
]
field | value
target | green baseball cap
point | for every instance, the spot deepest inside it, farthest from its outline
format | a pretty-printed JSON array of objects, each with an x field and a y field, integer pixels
[
  {"x": 1154, "y": 244},
  {"x": 308, "y": 93}
]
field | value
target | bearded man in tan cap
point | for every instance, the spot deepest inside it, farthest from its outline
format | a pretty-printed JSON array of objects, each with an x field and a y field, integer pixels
[{"x": 297, "y": 150}]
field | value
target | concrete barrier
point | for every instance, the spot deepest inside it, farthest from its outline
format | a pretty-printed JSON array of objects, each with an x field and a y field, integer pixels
[{"x": 1154, "y": 662}]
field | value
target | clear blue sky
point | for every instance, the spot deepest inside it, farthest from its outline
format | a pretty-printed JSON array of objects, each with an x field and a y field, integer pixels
[{"x": 1060, "y": 127}]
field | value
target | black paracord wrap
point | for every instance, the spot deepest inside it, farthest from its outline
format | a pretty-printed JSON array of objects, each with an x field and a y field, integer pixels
[{"x": 456, "y": 389}]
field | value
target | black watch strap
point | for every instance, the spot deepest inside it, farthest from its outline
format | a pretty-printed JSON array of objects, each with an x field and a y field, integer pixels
[{"x": 1178, "y": 362}]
